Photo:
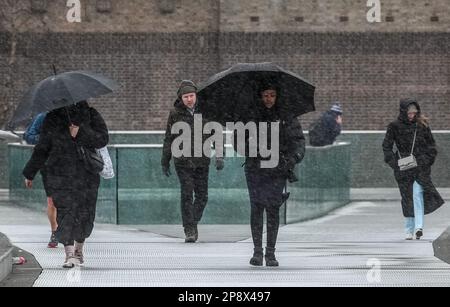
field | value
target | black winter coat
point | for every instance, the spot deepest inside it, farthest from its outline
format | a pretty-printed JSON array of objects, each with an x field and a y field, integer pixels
[
  {"x": 291, "y": 139},
  {"x": 73, "y": 188},
  {"x": 180, "y": 113},
  {"x": 57, "y": 153},
  {"x": 401, "y": 134},
  {"x": 266, "y": 185},
  {"x": 325, "y": 130}
]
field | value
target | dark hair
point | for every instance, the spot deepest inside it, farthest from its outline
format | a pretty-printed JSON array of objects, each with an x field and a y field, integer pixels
[{"x": 266, "y": 85}]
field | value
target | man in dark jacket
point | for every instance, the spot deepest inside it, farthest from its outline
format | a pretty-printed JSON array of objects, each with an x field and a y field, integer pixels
[
  {"x": 327, "y": 128},
  {"x": 266, "y": 185},
  {"x": 192, "y": 171},
  {"x": 411, "y": 135}
]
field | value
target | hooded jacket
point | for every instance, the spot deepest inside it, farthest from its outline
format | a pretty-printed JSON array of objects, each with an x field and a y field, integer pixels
[{"x": 400, "y": 134}]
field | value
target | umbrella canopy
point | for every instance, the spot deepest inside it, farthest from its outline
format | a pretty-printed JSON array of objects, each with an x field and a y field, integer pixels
[
  {"x": 60, "y": 91},
  {"x": 441, "y": 247},
  {"x": 230, "y": 95}
]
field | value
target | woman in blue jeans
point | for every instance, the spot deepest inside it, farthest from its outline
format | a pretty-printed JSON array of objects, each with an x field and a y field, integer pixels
[{"x": 411, "y": 135}]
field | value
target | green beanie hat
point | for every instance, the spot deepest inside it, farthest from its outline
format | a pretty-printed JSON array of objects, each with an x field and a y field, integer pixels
[{"x": 187, "y": 87}]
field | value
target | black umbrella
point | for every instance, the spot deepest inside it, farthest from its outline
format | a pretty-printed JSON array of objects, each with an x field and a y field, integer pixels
[
  {"x": 441, "y": 247},
  {"x": 59, "y": 91},
  {"x": 230, "y": 95}
]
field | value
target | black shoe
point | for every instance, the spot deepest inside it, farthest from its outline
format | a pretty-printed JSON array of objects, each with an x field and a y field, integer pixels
[
  {"x": 190, "y": 234},
  {"x": 196, "y": 232},
  {"x": 270, "y": 257},
  {"x": 419, "y": 234},
  {"x": 257, "y": 259}
]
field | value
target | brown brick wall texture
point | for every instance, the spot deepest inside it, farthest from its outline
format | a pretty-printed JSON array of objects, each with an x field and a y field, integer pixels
[{"x": 367, "y": 67}]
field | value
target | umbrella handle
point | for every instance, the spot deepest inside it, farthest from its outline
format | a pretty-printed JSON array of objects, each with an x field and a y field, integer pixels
[{"x": 68, "y": 115}]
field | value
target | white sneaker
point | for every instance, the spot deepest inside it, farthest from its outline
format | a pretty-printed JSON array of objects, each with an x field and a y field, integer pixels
[
  {"x": 71, "y": 262},
  {"x": 409, "y": 237}
]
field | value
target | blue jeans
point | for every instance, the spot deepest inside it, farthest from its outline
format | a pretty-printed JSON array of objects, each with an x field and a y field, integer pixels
[{"x": 416, "y": 222}]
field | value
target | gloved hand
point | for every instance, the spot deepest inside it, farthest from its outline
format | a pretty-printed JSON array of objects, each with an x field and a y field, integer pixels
[
  {"x": 287, "y": 164},
  {"x": 290, "y": 164},
  {"x": 166, "y": 170},
  {"x": 220, "y": 164},
  {"x": 287, "y": 167}
]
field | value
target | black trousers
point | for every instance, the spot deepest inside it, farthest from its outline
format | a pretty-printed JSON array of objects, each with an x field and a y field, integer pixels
[
  {"x": 193, "y": 181},
  {"x": 266, "y": 192}
]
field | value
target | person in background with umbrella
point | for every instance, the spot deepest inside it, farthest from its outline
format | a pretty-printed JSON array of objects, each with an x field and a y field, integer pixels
[
  {"x": 327, "y": 128},
  {"x": 72, "y": 186},
  {"x": 266, "y": 186},
  {"x": 193, "y": 172},
  {"x": 31, "y": 137},
  {"x": 412, "y": 136}
]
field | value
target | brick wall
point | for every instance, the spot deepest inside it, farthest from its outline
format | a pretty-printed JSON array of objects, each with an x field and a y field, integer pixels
[
  {"x": 367, "y": 72},
  {"x": 367, "y": 67},
  {"x": 246, "y": 16},
  {"x": 333, "y": 16}
]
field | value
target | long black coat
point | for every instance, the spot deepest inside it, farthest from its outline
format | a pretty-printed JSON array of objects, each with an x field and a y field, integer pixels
[
  {"x": 266, "y": 185},
  {"x": 73, "y": 188},
  {"x": 180, "y": 113},
  {"x": 401, "y": 134}
]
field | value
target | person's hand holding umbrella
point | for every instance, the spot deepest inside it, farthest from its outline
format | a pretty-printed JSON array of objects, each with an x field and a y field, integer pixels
[
  {"x": 166, "y": 170},
  {"x": 74, "y": 130}
]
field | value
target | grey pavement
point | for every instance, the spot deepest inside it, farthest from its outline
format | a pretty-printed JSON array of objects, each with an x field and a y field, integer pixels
[{"x": 342, "y": 249}]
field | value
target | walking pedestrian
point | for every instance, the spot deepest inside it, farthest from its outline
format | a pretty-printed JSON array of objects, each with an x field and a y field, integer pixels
[
  {"x": 68, "y": 136},
  {"x": 415, "y": 154}
]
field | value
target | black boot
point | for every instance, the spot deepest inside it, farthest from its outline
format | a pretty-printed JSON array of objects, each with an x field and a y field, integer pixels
[
  {"x": 257, "y": 259},
  {"x": 190, "y": 234},
  {"x": 270, "y": 257},
  {"x": 195, "y": 229}
]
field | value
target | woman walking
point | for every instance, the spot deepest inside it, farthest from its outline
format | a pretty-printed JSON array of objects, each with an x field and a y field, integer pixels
[
  {"x": 266, "y": 185},
  {"x": 412, "y": 136},
  {"x": 68, "y": 135}
]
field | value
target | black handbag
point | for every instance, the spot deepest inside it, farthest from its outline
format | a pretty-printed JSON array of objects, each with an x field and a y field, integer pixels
[{"x": 93, "y": 162}]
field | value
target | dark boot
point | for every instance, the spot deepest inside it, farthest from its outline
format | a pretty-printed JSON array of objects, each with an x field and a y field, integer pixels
[
  {"x": 257, "y": 259},
  {"x": 190, "y": 234},
  {"x": 196, "y": 232},
  {"x": 270, "y": 257}
]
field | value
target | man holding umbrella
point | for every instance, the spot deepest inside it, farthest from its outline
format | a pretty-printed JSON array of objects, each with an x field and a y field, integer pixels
[
  {"x": 266, "y": 185},
  {"x": 263, "y": 93}
]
